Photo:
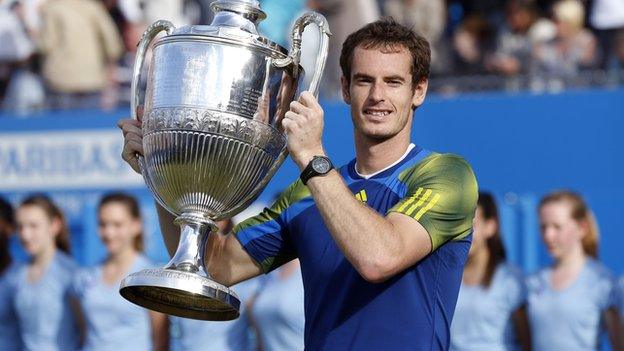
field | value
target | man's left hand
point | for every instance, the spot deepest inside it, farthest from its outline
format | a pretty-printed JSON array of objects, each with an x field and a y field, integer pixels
[{"x": 303, "y": 125}]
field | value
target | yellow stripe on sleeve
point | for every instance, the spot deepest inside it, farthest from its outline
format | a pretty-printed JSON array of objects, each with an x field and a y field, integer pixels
[
  {"x": 410, "y": 200},
  {"x": 419, "y": 203},
  {"x": 424, "y": 210}
]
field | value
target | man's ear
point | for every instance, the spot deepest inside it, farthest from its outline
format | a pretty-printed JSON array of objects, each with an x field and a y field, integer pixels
[
  {"x": 345, "y": 90},
  {"x": 420, "y": 90}
]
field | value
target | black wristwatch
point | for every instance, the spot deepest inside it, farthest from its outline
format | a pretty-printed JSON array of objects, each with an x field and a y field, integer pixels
[{"x": 319, "y": 166}]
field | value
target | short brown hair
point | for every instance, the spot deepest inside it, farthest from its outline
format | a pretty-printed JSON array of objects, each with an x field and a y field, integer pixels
[{"x": 387, "y": 34}]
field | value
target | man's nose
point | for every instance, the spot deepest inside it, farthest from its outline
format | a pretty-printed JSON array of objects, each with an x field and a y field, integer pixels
[{"x": 376, "y": 93}]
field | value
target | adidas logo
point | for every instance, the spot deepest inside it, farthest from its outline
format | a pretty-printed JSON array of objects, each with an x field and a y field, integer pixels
[{"x": 361, "y": 195}]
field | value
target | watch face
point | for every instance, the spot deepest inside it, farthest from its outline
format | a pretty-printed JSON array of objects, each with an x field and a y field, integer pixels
[{"x": 321, "y": 165}]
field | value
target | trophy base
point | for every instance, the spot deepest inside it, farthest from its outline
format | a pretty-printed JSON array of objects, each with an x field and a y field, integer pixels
[{"x": 181, "y": 294}]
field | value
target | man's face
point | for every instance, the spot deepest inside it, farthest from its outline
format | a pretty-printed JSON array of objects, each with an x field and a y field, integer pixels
[{"x": 380, "y": 93}]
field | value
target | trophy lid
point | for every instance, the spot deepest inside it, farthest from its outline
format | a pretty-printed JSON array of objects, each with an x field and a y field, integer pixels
[{"x": 235, "y": 22}]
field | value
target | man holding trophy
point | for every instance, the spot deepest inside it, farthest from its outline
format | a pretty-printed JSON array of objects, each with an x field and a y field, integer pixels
[{"x": 382, "y": 240}]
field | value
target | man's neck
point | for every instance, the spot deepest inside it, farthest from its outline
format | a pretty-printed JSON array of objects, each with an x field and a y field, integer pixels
[{"x": 372, "y": 156}]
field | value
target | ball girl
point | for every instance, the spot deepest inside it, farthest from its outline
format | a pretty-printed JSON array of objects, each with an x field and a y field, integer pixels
[
  {"x": 573, "y": 300},
  {"x": 491, "y": 306},
  {"x": 42, "y": 285},
  {"x": 111, "y": 322}
]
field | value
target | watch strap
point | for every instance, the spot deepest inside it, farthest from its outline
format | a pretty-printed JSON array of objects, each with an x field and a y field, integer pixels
[{"x": 310, "y": 172}]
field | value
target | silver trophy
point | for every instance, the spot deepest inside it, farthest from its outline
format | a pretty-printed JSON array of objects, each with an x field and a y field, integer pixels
[{"x": 212, "y": 139}]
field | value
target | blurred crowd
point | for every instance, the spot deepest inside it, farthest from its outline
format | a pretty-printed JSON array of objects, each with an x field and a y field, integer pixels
[
  {"x": 59, "y": 54},
  {"x": 49, "y": 302}
]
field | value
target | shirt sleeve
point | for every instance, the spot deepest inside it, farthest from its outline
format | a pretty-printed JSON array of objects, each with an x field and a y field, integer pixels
[
  {"x": 442, "y": 196},
  {"x": 265, "y": 236}
]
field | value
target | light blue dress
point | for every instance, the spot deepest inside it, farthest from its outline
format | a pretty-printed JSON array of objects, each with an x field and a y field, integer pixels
[
  {"x": 9, "y": 332},
  {"x": 482, "y": 319},
  {"x": 279, "y": 313},
  {"x": 112, "y": 322},
  {"x": 45, "y": 319},
  {"x": 570, "y": 319},
  {"x": 236, "y": 335}
]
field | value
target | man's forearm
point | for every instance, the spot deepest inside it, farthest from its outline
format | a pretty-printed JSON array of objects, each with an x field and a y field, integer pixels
[
  {"x": 366, "y": 238},
  {"x": 170, "y": 231}
]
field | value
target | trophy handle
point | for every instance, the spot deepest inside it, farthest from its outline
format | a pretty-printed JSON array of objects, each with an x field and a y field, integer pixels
[
  {"x": 294, "y": 57},
  {"x": 148, "y": 36},
  {"x": 150, "y": 33}
]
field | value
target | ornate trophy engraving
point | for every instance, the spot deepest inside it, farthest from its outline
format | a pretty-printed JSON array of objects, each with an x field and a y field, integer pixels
[{"x": 212, "y": 139}]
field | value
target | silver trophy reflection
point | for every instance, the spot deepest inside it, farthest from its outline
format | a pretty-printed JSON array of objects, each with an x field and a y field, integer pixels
[{"x": 212, "y": 139}]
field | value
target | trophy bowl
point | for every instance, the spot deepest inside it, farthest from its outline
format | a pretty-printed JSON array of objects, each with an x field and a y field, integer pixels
[{"x": 212, "y": 139}]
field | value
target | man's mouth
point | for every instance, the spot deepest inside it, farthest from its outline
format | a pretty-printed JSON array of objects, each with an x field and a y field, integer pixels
[{"x": 376, "y": 112}]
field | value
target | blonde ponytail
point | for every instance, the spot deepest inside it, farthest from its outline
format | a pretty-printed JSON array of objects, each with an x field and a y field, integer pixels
[{"x": 590, "y": 240}]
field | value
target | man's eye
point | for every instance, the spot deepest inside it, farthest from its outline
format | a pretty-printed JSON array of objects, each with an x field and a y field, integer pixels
[{"x": 394, "y": 83}]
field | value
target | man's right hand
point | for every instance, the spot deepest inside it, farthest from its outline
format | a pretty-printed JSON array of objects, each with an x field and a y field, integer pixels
[{"x": 133, "y": 141}]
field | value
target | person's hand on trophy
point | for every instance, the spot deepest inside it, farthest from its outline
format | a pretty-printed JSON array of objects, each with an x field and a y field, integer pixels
[
  {"x": 303, "y": 125},
  {"x": 133, "y": 140}
]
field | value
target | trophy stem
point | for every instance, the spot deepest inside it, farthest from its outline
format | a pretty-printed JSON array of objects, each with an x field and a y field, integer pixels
[
  {"x": 194, "y": 233},
  {"x": 184, "y": 288}
]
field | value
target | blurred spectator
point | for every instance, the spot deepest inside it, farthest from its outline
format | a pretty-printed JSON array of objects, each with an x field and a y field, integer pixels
[
  {"x": 148, "y": 12},
  {"x": 277, "y": 312},
  {"x": 491, "y": 306},
  {"x": 619, "y": 47},
  {"x": 516, "y": 40},
  {"x": 472, "y": 42},
  {"x": 492, "y": 11},
  {"x": 344, "y": 17},
  {"x": 233, "y": 335},
  {"x": 131, "y": 34},
  {"x": 573, "y": 49},
  {"x": 425, "y": 17},
  {"x": 80, "y": 46},
  {"x": 572, "y": 301},
  {"x": 9, "y": 333},
  {"x": 110, "y": 322},
  {"x": 45, "y": 319},
  {"x": 20, "y": 88},
  {"x": 607, "y": 19}
]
